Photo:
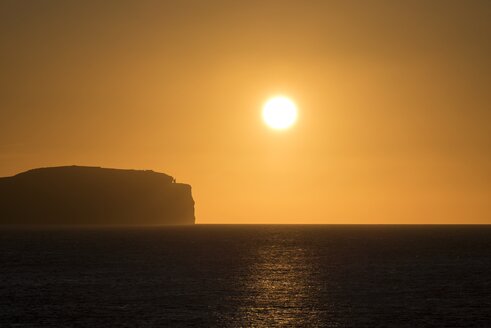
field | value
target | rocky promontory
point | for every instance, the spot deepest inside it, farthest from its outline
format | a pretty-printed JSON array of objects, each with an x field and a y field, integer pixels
[{"x": 79, "y": 195}]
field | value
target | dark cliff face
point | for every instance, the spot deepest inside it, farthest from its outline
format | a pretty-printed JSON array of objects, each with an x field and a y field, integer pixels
[{"x": 92, "y": 195}]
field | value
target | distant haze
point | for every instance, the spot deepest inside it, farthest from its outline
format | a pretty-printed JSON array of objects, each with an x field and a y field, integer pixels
[{"x": 394, "y": 102}]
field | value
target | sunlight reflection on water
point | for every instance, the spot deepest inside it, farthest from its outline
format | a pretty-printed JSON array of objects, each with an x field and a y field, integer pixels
[{"x": 281, "y": 289}]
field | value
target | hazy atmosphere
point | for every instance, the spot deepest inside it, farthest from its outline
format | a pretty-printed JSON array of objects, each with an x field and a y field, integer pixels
[{"x": 393, "y": 103}]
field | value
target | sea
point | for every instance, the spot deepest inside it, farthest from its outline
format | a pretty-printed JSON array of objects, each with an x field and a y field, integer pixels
[{"x": 246, "y": 276}]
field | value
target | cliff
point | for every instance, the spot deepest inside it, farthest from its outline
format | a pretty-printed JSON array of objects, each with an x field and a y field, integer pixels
[{"x": 92, "y": 195}]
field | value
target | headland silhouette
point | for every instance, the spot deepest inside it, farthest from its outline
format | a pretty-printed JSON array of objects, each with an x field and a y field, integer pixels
[{"x": 79, "y": 195}]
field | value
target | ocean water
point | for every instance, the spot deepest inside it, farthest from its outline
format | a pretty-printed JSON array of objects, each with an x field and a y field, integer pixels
[{"x": 246, "y": 276}]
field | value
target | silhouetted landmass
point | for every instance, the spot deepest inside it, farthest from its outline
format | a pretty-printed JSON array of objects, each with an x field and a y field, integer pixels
[{"x": 93, "y": 195}]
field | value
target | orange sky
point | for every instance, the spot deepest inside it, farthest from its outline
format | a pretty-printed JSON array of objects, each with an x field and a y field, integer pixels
[{"x": 393, "y": 96}]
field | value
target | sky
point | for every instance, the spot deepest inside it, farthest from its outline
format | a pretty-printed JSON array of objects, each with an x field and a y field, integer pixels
[{"x": 393, "y": 97}]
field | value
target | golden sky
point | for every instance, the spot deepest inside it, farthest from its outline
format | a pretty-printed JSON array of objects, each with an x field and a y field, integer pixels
[{"x": 394, "y": 102}]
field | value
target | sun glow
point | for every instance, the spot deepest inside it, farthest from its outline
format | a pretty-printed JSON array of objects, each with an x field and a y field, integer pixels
[{"x": 279, "y": 113}]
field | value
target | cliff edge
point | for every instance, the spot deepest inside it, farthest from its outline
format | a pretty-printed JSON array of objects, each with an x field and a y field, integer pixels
[{"x": 92, "y": 195}]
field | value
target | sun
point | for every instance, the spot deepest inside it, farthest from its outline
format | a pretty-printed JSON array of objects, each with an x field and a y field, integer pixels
[{"x": 279, "y": 113}]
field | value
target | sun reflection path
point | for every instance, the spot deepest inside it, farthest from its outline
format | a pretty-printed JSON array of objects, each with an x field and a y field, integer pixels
[{"x": 283, "y": 295}]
